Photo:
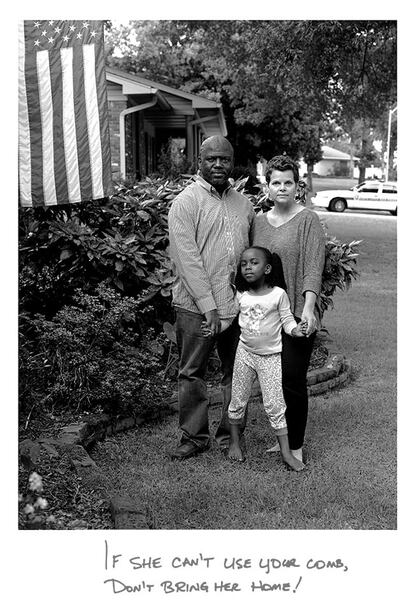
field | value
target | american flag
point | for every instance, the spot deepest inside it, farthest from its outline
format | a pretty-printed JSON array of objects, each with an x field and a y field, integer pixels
[{"x": 64, "y": 151}]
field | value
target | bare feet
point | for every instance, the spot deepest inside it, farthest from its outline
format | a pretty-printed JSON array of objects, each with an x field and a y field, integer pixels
[
  {"x": 293, "y": 462},
  {"x": 235, "y": 453},
  {"x": 274, "y": 449},
  {"x": 298, "y": 454}
]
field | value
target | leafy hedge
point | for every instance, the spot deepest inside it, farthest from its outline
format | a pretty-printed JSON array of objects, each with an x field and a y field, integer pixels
[
  {"x": 119, "y": 241},
  {"x": 95, "y": 290}
]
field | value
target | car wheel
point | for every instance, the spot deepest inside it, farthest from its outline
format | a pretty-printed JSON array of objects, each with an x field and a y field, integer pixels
[{"x": 337, "y": 205}]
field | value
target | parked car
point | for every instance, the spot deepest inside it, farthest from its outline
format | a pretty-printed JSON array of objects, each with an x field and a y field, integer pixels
[{"x": 370, "y": 195}]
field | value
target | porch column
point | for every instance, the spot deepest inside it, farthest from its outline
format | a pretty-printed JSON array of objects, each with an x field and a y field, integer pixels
[{"x": 190, "y": 142}]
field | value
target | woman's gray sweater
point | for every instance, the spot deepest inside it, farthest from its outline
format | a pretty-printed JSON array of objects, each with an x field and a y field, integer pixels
[{"x": 300, "y": 244}]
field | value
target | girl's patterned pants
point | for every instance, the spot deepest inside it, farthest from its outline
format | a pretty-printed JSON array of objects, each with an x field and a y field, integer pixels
[{"x": 268, "y": 369}]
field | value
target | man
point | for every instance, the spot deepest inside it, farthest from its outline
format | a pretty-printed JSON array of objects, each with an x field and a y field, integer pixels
[{"x": 210, "y": 225}]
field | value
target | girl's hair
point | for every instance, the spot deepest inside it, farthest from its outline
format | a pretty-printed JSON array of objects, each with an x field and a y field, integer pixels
[
  {"x": 282, "y": 163},
  {"x": 274, "y": 278}
]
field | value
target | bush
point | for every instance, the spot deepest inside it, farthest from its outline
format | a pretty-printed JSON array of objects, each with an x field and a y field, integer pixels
[
  {"x": 121, "y": 241},
  {"x": 91, "y": 356},
  {"x": 339, "y": 271},
  {"x": 172, "y": 162}
]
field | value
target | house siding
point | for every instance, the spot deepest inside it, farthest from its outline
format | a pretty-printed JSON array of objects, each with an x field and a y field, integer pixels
[
  {"x": 147, "y": 129},
  {"x": 114, "y": 110}
]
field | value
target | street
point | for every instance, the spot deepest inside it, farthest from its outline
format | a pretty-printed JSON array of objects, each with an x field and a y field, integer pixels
[{"x": 372, "y": 227}]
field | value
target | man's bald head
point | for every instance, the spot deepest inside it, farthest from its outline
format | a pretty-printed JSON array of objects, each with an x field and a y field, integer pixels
[{"x": 216, "y": 143}]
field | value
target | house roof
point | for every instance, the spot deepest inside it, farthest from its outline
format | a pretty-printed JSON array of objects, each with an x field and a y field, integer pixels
[
  {"x": 329, "y": 153},
  {"x": 209, "y": 114}
]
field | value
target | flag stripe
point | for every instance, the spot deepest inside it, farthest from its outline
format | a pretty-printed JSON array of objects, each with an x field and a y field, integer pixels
[
  {"x": 81, "y": 125},
  {"x": 103, "y": 116},
  {"x": 69, "y": 128},
  {"x": 58, "y": 138},
  {"x": 25, "y": 180},
  {"x": 33, "y": 108},
  {"x": 94, "y": 133},
  {"x": 46, "y": 114}
]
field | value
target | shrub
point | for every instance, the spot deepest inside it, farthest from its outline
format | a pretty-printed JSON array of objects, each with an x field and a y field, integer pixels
[
  {"x": 339, "y": 271},
  {"x": 172, "y": 162},
  {"x": 91, "y": 355},
  {"x": 121, "y": 242}
]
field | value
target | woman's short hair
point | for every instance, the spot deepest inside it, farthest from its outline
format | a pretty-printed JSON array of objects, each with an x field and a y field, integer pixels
[{"x": 282, "y": 163}]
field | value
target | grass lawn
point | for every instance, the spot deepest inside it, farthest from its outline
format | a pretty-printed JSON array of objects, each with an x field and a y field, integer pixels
[{"x": 350, "y": 481}]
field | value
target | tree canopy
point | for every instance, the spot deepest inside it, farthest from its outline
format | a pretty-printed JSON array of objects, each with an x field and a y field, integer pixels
[{"x": 283, "y": 84}]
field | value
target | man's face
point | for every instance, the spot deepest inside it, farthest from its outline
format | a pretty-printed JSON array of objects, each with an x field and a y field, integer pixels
[{"x": 215, "y": 164}]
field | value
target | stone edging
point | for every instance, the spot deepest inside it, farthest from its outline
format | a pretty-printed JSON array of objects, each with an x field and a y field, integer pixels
[
  {"x": 73, "y": 440},
  {"x": 334, "y": 373}
]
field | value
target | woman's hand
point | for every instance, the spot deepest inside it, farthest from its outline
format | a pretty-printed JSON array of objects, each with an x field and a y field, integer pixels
[
  {"x": 308, "y": 313},
  {"x": 309, "y": 318}
]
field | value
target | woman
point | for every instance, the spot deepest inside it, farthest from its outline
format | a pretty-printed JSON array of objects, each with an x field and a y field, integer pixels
[{"x": 295, "y": 234}]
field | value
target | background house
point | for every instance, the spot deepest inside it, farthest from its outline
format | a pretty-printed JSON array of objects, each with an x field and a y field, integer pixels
[
  {"x": 333, "y": 163},
  {"x": 143, "y": 116}
]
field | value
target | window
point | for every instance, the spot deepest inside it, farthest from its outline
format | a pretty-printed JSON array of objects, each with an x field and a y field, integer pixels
[
  {"x": 389, "y": 189},
  {"x": 369, "y": 189}
]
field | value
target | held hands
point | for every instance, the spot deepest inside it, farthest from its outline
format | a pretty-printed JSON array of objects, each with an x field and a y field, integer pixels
[
  {"x": 211, "y": 326},
  {"x": 308, "y": 319},
  {"x": 300, "y": 329}
]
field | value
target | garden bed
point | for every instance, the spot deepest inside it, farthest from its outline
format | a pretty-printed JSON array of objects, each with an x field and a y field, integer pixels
[{"x": 74, "y": 488}]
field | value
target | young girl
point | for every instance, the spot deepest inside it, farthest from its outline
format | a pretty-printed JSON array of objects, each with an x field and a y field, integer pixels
[{"x": 264, "y": 310}]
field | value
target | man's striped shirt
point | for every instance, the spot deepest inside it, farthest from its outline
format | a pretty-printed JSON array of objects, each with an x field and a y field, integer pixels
[{"x": 208, "y": 234}]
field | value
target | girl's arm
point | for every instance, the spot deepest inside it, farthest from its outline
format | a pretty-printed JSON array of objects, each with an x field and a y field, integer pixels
[{"x": 288, "y": 321}]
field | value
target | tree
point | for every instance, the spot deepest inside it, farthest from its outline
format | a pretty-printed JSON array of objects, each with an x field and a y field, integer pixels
[
  {"x": 366, "y": 82},
  {"x": 280, "y": 82}
]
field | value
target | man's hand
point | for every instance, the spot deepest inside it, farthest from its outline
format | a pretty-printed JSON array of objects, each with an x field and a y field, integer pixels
[{"x": 212, "y": 322}]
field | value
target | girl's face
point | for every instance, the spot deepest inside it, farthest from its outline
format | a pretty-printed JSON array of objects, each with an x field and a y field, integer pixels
[
  {"x": 253, "y": 266},
  {"x": 282, "y": 187}
]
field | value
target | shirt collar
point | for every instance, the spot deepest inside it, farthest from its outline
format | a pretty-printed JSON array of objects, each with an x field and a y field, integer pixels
[{"x": 203, "y": 183}]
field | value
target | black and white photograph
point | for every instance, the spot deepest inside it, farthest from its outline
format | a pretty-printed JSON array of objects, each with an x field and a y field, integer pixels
[{"x": 205, "y": 312}]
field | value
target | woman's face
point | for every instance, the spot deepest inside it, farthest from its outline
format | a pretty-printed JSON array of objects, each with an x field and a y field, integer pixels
[{"x": 282, "y": 187}]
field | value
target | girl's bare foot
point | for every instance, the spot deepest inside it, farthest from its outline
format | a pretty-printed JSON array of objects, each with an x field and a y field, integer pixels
[
  {"x": 235, "y": 453},
  {"x": 274, "y": 449},
  {"x": 293, "y": 462},
  {"x": 298, "y": 454}
]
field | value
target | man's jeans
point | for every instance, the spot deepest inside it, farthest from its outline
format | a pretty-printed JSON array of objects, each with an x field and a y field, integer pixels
[{"x": 194, "y": 350}]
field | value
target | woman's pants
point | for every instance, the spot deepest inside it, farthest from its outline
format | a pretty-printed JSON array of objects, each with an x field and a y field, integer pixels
[{"x": 296, "y": 354}]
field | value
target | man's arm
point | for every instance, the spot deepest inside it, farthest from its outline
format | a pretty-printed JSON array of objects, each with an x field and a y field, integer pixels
[{"x": 186, "y": 257}]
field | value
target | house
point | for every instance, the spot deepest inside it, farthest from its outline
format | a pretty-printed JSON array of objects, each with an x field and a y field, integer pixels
[
  {"x": 333, "y": 163},
  {"x": 144, "y": 115}
]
